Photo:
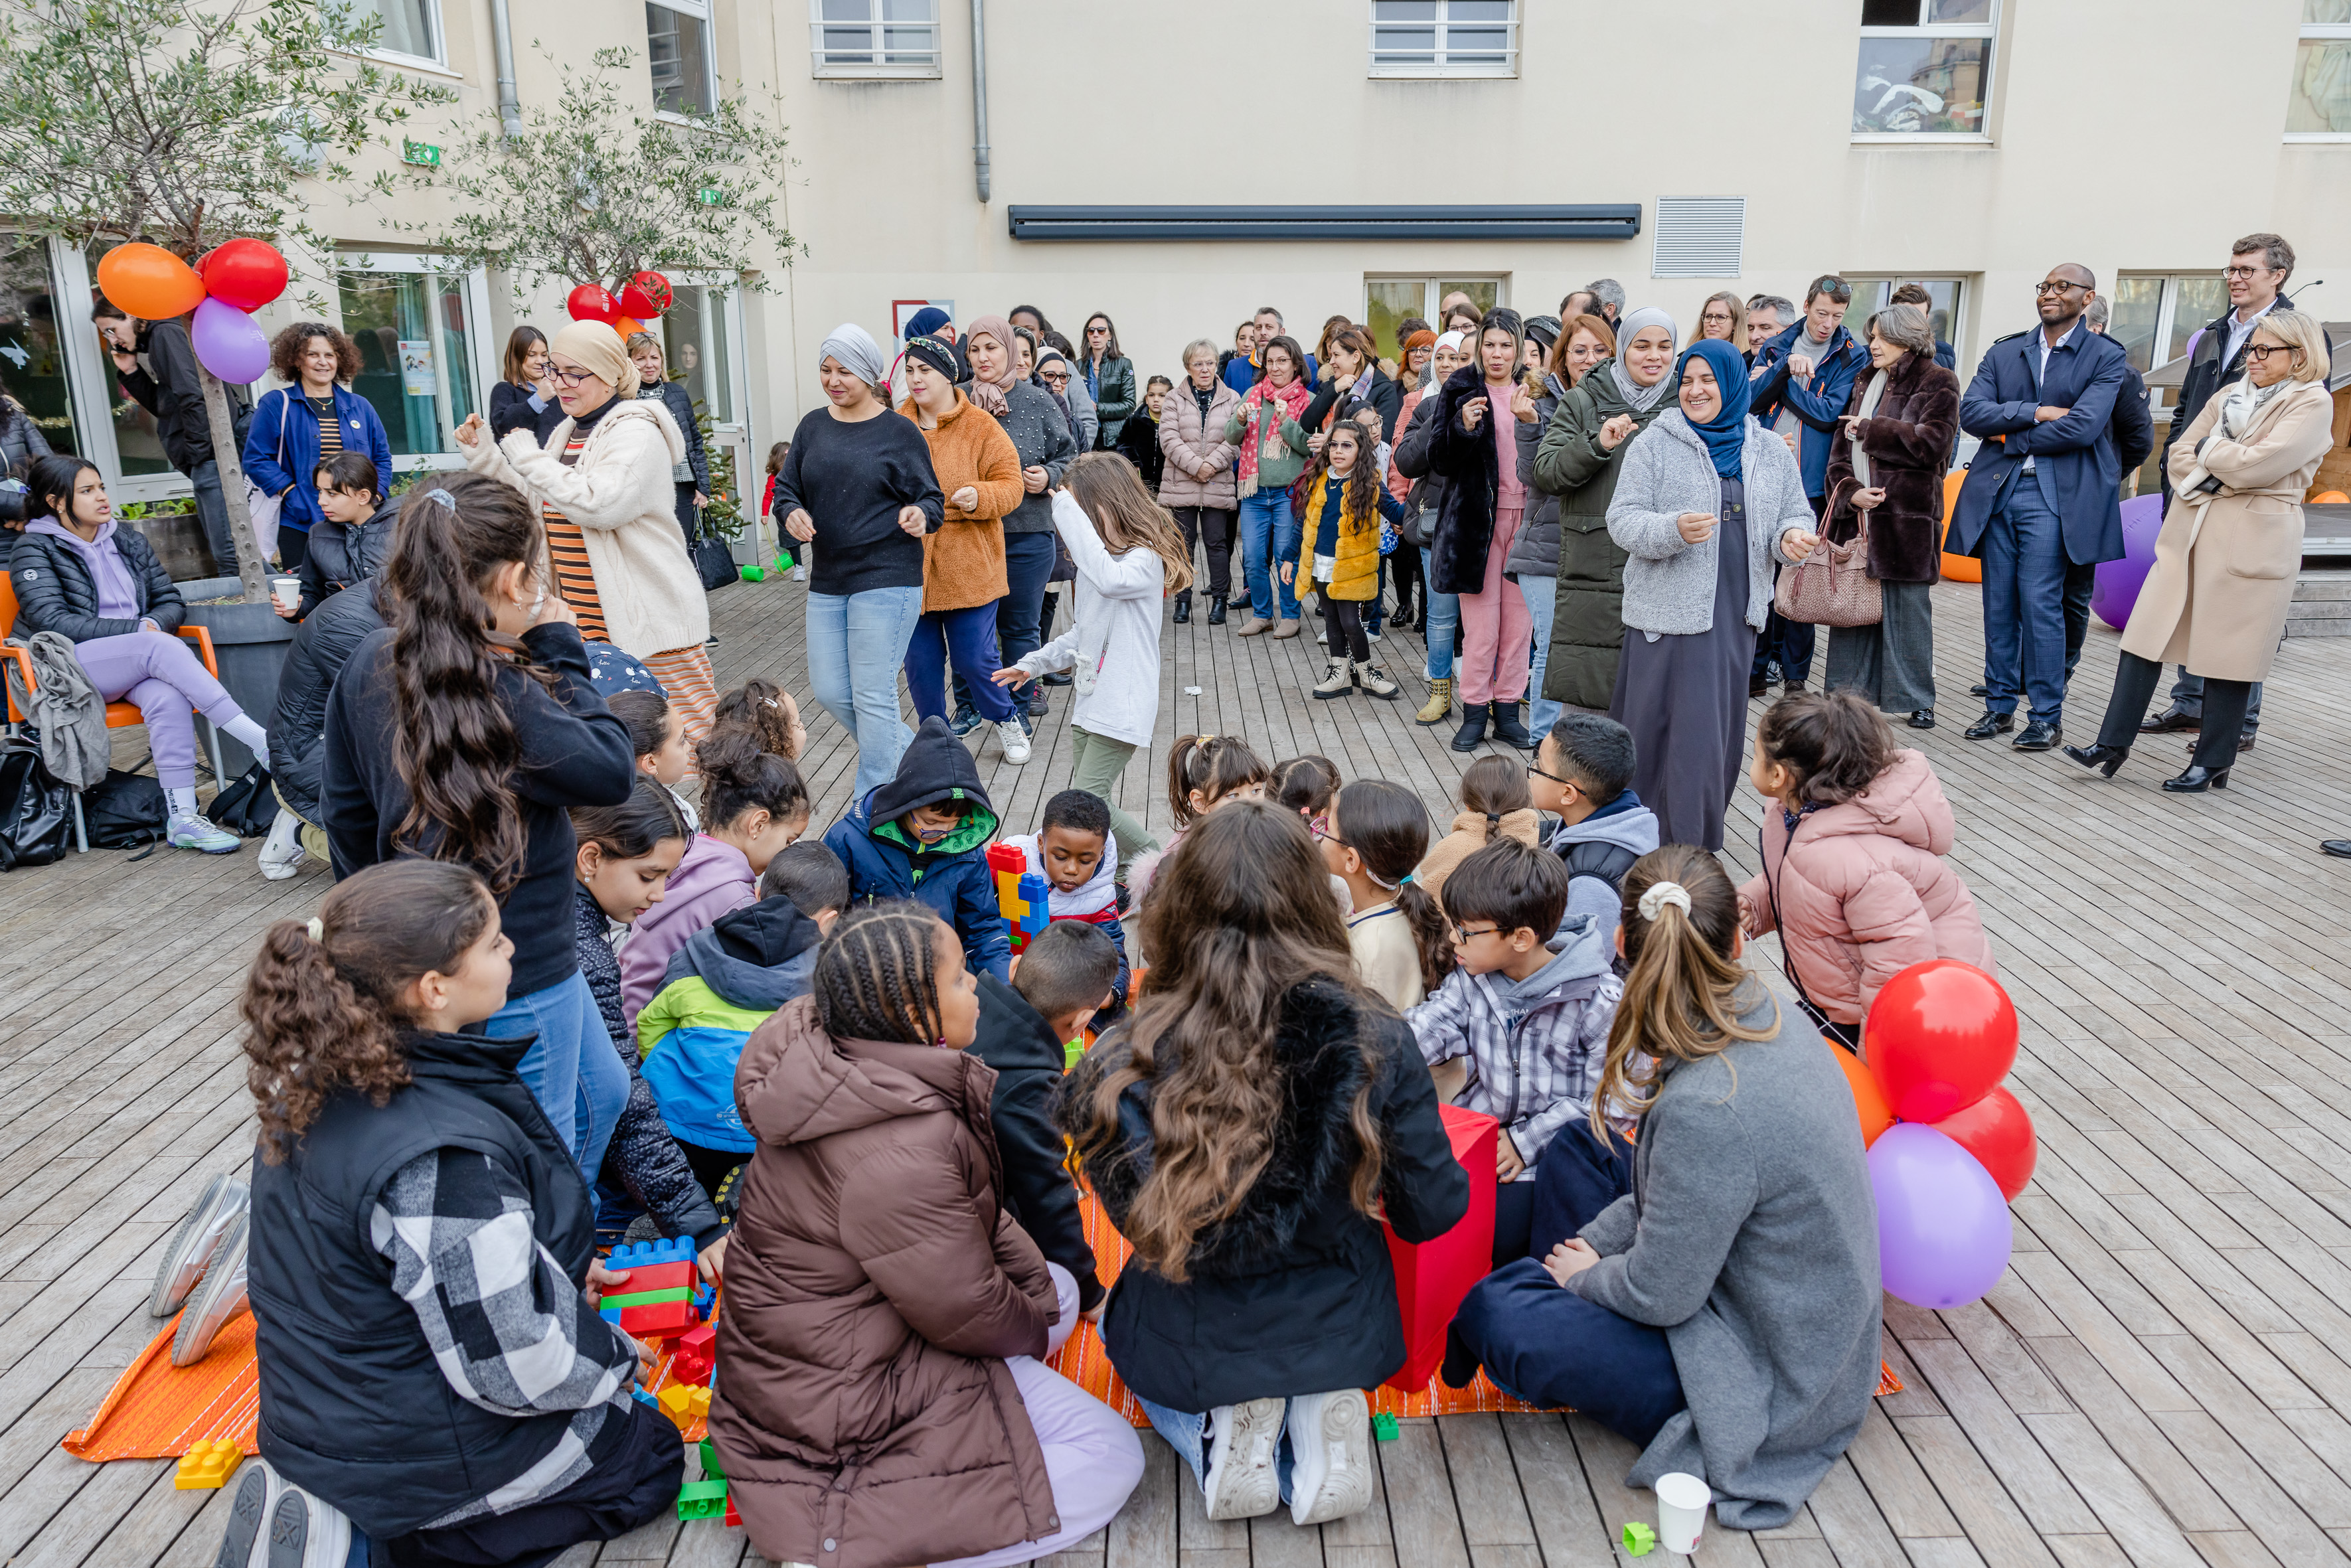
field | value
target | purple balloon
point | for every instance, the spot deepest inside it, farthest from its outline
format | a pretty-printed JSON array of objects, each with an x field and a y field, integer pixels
[
  {"x": 1943, "y": 1227},
  {"x": 228, "y": 343},
  {"x": 2120, "y": 580}
]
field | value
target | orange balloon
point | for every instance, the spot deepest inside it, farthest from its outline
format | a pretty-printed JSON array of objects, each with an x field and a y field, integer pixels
[
  {"x": 1956, "y": 568},
  {"x": 150, "y": 282},
  {"x": 624, "y": 325},
  {"x": 2330, "y": 498},
  {"x": 1868, "y": 1098}
]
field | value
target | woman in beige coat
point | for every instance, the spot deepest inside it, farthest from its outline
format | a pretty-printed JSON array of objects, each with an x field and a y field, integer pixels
[
  {"x": 1198, "y": 484},
  {"x": 2230, "y": 550}
]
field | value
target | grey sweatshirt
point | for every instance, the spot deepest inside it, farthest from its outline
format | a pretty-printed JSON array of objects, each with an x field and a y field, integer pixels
[
  {"x": 1041, "y": 436},
  {"x": 1751, "y": 1237}
]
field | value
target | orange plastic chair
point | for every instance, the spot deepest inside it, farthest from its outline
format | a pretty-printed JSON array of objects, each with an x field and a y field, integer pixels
[
  {"x": 118, "y": 715},
  {"x": 1956, "y": 568}
]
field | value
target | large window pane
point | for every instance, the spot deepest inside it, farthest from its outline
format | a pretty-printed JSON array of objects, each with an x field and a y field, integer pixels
[
  {"x": 1889, "y": 13},
  {"x": 2336, "y": 12},
  {"x": 679, "y": 48},
  {"x": 1920, "y": 85},
  {"x": 407, "y": 25},
  {"x": 694, "y": 344},
  {"x": 1958, "y": 11},
  {"x": 1388, "y": 300},
  {"x": 1485, "y": 293},
  {"x": 32, "y": 359},
  {"x": 2322, "y": 86},
  {"x": 416, "y": 338},
  {"x": 136, "y": 444},
  {"x": 2201, "y": 299},
  {"x": 2133, "y": 310}
]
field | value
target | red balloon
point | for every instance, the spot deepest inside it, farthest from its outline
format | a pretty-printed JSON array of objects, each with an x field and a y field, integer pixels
[
  {"x": 245, "y": 272},
  {"x": 1997, "y": 1132},
  {"x": 1941, "y": 1034},
  {"x": 635, "y": 301},
  {"x": 658, "y": 293},
  {"x": 590, "y": 302}
]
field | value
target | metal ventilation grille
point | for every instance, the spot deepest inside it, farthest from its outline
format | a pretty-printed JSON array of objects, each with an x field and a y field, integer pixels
[{"x": 1698, "y": 236}]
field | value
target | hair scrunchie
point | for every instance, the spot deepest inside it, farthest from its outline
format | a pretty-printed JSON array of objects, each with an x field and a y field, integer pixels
[
  {"x": 1660, "y": 895},
  {"x": 318, "y": 929}
]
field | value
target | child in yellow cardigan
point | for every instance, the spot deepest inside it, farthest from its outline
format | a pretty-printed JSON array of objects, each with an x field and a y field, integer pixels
[{"x": 1347, "y": 510}]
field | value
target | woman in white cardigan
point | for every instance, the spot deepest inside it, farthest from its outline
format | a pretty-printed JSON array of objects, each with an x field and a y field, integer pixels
[{"x": 603, "y": 484}]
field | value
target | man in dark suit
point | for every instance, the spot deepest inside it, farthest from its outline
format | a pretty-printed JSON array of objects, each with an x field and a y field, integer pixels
[
  {"x": 2042, "y": 494},
  {"x": 2132, "y": 432}
]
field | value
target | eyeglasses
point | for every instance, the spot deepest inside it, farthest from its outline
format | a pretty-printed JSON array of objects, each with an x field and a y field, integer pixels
[
  {"x": 2263, "y": 351},
  {"x": 1463, "y": 932},
  {"x": 1055, "y": 377},
  {"x": 2060, "y": 287},
  {"x": 567, "y": 378},
  {"x": 1097, "y": 332},
  {"x": 1541, "y": 773},
  {"x": 2242, "y": 273}
]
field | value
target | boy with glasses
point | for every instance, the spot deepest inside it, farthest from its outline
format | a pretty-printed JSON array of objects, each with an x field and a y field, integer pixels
[{"x": 1582, "y": 774}]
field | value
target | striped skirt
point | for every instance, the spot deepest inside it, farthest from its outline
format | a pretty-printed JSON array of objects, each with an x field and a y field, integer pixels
[{"x": 692, "y": 690}]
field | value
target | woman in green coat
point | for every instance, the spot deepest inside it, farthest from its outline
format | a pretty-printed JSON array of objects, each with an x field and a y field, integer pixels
[{"x": 1582, "y": 452}]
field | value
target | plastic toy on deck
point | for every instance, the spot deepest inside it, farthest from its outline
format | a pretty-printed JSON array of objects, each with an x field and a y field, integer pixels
[
  {"x": 695, "y": 1356},
  {"x": 1020, "y": 894},
  {"x": 206, "y": 1465}
]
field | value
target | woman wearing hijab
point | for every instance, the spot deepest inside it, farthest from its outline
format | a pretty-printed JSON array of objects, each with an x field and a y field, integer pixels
[
  {"x": 1577, "y": 459},
  {"x": 860, "y": 484},
  {"x": 1706, "y": 501},
  {"x": 602, "y": 485},
  {"x": 1473, "y": 442}
]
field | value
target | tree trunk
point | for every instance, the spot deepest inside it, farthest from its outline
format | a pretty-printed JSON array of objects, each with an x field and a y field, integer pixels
[{"x": 252, "y": 571}]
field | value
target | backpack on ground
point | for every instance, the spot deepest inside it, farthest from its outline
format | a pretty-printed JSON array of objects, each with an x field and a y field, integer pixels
[
  {"x": 35, "y": 809},
  {"x": 123, "y": 811},
  {"x": 246, "y": 807}
]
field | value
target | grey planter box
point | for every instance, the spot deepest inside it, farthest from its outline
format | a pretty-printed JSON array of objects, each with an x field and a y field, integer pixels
[
  {"x": 250, "y": 642},
  {"x": 178, "y": 540}
]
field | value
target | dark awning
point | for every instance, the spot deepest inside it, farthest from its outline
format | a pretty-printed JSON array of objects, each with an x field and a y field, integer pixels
[{"x": 1588, "y": 220}]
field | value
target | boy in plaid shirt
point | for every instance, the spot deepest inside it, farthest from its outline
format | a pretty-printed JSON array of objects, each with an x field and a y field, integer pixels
[{"x": 1527, "y": 1013}]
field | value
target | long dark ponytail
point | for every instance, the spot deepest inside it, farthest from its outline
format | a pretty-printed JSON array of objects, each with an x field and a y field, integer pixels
[
  {"x": 454, "y": 741},
  {"x": 1387, "y": 825}
]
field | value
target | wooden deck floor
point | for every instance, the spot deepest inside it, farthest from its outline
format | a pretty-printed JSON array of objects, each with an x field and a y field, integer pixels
[{"x": 2163, "y": 1377}]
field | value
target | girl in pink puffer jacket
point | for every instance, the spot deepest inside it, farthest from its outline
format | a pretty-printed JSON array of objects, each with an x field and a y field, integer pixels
[{"x": 1855, "y": 878}]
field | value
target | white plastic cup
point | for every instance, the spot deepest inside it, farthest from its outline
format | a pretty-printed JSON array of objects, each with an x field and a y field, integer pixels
[
  {"x": 288, "y": 591},
  {"x": 1682, "y": 1502}
]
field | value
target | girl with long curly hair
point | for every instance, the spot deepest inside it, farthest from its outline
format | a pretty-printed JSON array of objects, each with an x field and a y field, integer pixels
[
  {"x": 1347, "y": 513},
  {"x": 420, "y": 1254},
  {"x": 465, "y": 730},
  {"x": 1245, "y": 1131}
]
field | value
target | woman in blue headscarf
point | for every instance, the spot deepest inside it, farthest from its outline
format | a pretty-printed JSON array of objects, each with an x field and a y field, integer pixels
[{"x": 1708, "y": 500}]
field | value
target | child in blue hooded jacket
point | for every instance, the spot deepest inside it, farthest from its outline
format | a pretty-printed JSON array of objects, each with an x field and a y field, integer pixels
[{"x": 923, "y": 835}]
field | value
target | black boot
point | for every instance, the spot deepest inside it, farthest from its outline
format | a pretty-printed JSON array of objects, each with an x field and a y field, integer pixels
[
  {"x": 1217, "y": 612},
  {"x": 1184, "y": 607},
  {"x": 1508, "y": 730},
  {"x": 1472, "y": 733}
]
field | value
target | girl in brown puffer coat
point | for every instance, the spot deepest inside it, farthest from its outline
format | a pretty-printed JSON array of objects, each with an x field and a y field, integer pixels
[{"x": 879, "y": 1401}]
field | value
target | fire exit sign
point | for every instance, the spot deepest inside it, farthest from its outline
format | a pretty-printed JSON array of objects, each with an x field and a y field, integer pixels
[{"x": 422, "y": 153}]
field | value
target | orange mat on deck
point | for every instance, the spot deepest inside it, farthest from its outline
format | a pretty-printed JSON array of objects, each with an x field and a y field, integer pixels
[{"x": 158, "y": 1411}]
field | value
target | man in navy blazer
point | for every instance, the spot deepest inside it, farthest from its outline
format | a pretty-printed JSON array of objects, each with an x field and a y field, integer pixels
[{"x": 2042, "y": 494}]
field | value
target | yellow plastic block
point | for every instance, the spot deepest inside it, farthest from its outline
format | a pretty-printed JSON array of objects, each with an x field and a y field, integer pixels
[
  {"x": 206, "y": 1466},
  {"x": 684, "y": 1404}
]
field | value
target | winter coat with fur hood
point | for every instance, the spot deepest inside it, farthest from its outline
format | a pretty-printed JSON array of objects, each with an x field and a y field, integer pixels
[
  {"x": 875, "y": 1283},
  {"x": 1294, "y": 1293},
  {"x": 620, "y": 495},
  {"x": 1860, "y": 892}
]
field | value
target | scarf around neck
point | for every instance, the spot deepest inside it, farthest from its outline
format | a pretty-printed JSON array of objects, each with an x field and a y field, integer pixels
[
  {"x": 1263, "y": 436},
  {"x": 1643, "y": 399},
  {"x": 1726, "y": 434},
  {"x": 987, "y": 394}
]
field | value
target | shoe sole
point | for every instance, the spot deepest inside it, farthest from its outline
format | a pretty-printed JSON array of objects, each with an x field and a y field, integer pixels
[
  {"x": 246, "y": 1511},
  {"x": 1241, "y": 1481},
  {"x": 194, "y": 1244},
  {"x": 1333, "y": 1478},
  {"x": 220, "y": 1295}
]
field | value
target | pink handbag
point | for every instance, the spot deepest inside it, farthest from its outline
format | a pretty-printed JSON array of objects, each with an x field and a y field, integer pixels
[{"x": 1831, "y": 586}]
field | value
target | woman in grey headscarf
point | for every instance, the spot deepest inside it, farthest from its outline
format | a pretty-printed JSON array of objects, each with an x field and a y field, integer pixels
[
  {"x": 858, "y": 481},
  {"x": 1582, "y": 452}
]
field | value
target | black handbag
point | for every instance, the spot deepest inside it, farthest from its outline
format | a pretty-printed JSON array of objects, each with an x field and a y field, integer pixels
[
  {"x": 248, "y": 808},
  {"x": 123, "y": 811},
  {"x": 713, "y": 557},
  {"x": 35, "y": 809}
]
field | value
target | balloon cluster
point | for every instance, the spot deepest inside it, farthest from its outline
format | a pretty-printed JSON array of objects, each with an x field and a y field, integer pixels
[
  {"x": 626, "y": 309},
  {"x": 227, "y": 284},
  {"x": 1948, "y": 1147}
]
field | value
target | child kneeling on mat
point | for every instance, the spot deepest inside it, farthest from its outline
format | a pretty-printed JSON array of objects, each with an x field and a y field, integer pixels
[
  {"x": 1713, "y": 1294},
  {"x": 430, "y": 1370},
  {"x": 1246, "y": 1129},
  {"x": 883, "y": 1403}
]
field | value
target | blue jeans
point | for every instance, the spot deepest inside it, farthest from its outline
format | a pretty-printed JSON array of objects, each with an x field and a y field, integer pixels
[
  {"x": 571, "y": 1068},
  {"x": 2024, "y": 603},
  {"x": 1542, "y": 594},
  {"x": 967, "y": 638},
  {"x": 856, "y": 643},
  {"x": 1269, "y": 536},
  {"x": 1187, "y": 1433},
  {"x": 1027, "y": 565},
  {"x": 1444, "y": 620}
]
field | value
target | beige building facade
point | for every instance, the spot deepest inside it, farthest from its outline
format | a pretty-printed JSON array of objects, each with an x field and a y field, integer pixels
[{"x": 1969, "y": 144}]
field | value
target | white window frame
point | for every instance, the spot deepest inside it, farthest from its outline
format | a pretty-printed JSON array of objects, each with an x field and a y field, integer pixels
[
  {"x": 433, "y": 65},
  {"x": 701, "y": 11},
  {"x": 1965, "y": 284},
  {"x": 877, "y": 70},
  {"x": 2314, "y": 32},
  {"x": 1437, "y": 66},
  {"x": 1988, "y": 31},
  {"x": 479, "y": 375}
]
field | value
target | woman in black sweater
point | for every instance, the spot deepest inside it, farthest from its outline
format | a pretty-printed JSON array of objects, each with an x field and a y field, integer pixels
[
  {"x": 858, "y": 482},
  {"x": 465, "y": 730}
]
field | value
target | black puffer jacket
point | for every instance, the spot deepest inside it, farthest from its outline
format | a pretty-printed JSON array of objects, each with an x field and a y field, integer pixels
[
  {"x": 1465, "y": 521},
  {"x": 55, "y": 591},
  {"x": 1038, "y": 1191},
  {"x": 642, "y": 1156},
  {"x": 298, "y": 730},
  {"x": 21, "y": 440},
  {"x": 341, "y": 554},
  {"x": 1411, "y": 459},
  {"x": 1294, "y": 1293}
]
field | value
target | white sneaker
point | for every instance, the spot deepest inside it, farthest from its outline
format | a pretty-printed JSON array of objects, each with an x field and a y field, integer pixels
[
  {"x": 1015, "y": 744},
  {"x": 198, "y": 834},
  {"x": 217, "y": 1208},
  {"x": 279, "y": 864},
  {"x": 799, "y": 574},
  {"x": 1242, "y": 1482},
  {"x": 1331, "y": 1440},
  {"x": 304, "y": 1532},
  {"x": 219, "y": 1296}
]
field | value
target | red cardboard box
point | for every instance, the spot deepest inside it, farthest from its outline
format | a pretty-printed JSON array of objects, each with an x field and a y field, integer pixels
[{"x": 1432, "y": 1276}]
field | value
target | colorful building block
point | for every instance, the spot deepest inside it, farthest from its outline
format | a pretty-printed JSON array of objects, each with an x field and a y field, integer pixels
[
  {"x": 734, "y": 1520},
  {"x": 711, "y": 1469},
  {"x": 695, "y": 1355},
  {"x": 1384, "y": 1427},
  {"x": 206, "y": 1465},
  {"x": 653, "y": 1320},
  {"x": 654, "y": 1266},
  {"x": 1020, "y": 894},
  {"x": 702, "y": 1500},
  {"x": 627, "y": 1299},
  {"x": 642, "y": 1397},
  {"x": 684, "y": 1404}
]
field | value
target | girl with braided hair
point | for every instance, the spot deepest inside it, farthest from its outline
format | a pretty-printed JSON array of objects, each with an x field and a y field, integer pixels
[{"x": 884, "y": 1403}]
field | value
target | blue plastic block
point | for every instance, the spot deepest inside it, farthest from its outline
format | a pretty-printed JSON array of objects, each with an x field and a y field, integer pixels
[
  {"x": 642, "y": 1397},
  {"x": 644, "y": 1254},
  {"x": 703, "y": 1300}
]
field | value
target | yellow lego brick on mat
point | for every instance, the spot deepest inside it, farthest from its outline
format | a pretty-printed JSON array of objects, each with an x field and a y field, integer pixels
[
  {"x": 206, "y": 1466},
  {"x": 684, "y": 1404}
]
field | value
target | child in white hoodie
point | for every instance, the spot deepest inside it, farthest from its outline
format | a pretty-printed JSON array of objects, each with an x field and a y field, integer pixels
[{"x": 1130, "y": 556}]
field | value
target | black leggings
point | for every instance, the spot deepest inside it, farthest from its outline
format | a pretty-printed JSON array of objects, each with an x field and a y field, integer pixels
[
  {"x": 1212, "y": 527},
  {"x": 2224, "y": 711},
  {"x": 1342, "y": 625}
]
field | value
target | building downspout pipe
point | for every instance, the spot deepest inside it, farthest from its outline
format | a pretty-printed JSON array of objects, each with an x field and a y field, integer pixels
[
  {"x": 509, "y": 101},
  {"x": 979, "y": 96}
]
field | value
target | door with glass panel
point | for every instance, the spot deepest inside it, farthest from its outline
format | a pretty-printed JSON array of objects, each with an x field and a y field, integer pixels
[
  {"x": 1388, "y": 300},
  {"x": 424, "y": 359}
]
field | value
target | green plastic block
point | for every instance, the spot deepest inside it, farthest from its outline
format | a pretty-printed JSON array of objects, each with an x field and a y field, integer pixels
[
  {"x": 646, "y": 1297},
  {"x": 754, "y": 574},
  {"x": 711, "y": 1469},
  {"x": 702, "y": 1500},
  {"x": 1639, "y": 1539},
  {"x": 1384, "y": 1427}
]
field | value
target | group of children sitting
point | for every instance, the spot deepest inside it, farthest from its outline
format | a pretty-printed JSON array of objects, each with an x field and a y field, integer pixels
[{"x": 852, "y": 1097}]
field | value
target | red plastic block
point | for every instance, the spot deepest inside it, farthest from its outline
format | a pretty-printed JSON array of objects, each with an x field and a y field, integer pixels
[
  {"x": 663, "y": 1319},
  {"x": 732, "y": 1517},
  {"x": 695, "y": 1355},
  {"x": 1432, "y": 1277}
]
